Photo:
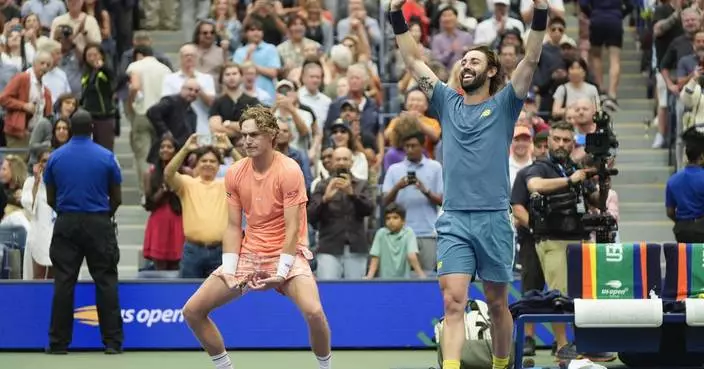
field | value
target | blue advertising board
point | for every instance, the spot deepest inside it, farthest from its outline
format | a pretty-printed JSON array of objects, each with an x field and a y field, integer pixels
[{"x": 377, "y": 314}]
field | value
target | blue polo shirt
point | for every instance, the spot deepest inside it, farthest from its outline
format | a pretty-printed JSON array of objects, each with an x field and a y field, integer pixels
[
  {"x": 265, "y": 55},
  {"x": 420, "y": 213},
  {"x": 81, "y": 171},
  {"x": 685, "y": 193}
]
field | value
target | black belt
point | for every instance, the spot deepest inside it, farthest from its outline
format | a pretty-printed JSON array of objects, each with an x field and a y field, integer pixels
[{"x": 205, "y": 244}]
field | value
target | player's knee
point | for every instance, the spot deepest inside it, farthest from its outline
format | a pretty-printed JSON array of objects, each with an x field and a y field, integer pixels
[
  {"x": 454, "y": 304},
  {"x": 314, "y": 314},
  {"x": 191, "y": 313},
  {"x": 497, "y": 306}
]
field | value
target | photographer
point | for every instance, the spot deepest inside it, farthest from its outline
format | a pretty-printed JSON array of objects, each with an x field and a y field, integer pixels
[
  {"x": 556, "y": 215},
  {"x": 337, "y": 210},
  {"x": 684, "y": 194},
  {"x": 691, "y": 95}
]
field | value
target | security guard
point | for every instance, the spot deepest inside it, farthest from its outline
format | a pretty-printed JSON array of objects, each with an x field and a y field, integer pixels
[
  {"x": 83, "y": 187},
  {"x": 684, "y": 194}
]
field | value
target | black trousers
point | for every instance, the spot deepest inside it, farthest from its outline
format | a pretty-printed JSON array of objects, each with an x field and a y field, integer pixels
[
  {"x": 532, "y": 277},
  {"x": 689, "y": 231},
  {"x": 90, "y": 236}
]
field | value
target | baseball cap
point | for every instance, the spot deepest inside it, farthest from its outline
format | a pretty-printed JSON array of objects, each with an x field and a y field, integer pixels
[
  {"x": 541, "y": 137},
  {"x": 285, "y": 82},
  {"x": 567, "y": 40},
  {"x": 522, "y": 131},
  {"x": 340, "y": 123},
  {"x": 503, "y": 2}
]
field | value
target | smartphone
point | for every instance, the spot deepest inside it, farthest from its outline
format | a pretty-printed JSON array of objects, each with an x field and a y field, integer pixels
[
  {"x": 342, "y": 173},
  {"x": 205, "y": 140},
  {"x": 411, "y": 176}
]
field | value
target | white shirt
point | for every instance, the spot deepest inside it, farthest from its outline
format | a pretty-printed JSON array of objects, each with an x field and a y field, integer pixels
[
  {"x": 487, "y": 30},
  {"x": 557, "y": 4},
  {"x": 514, "y": 167},
  {"x": 172, "y": 86},
  {"x": 41, "y": 219},
  {"x": 36, "y": 96},
  {"x": 359, "y": 169},
  {"x": 57, "y": 83},
  {"x": 151, "y": 74},
  {"x": 320, "y": 103},
  {"x": 298, "y": 141}
]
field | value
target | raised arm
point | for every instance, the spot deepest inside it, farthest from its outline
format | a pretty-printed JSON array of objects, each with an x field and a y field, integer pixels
[
  {"x": 410, "y": 51},
  {"x": 523, "y": 75}
]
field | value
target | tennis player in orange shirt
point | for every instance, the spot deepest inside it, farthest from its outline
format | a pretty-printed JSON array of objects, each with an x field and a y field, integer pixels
[{"x": 269, "y": 187}]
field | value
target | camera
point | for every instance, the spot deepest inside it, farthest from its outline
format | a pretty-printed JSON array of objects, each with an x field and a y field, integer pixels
[
  {"x": 601, "y": 145},
  {"x": 65, "y": 31},
  {"x": 411, "y": 177},
  {"x": 342, "y": 173}
]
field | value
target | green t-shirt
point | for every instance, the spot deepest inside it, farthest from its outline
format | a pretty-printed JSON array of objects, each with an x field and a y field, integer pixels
[{"x": 393, "y": 249}]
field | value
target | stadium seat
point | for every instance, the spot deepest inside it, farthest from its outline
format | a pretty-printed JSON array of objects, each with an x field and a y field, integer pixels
[{"x": 607, "y": 272}]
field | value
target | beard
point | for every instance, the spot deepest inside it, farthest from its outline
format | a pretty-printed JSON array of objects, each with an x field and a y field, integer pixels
[
  {"x": 560, "y": 154},
  {"x": 477, "y": 82}
]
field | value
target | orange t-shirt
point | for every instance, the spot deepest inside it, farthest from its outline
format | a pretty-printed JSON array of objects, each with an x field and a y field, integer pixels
[
  {"x": 433, "y": 123},
  {"x": 263, "y": 197}
]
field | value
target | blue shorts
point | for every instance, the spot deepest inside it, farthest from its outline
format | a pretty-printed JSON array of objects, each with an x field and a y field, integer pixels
[{"x": 476, "y": 243}]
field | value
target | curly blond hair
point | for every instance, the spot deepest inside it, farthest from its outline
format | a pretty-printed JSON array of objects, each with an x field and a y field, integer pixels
[{"x": 263, "y": 117}]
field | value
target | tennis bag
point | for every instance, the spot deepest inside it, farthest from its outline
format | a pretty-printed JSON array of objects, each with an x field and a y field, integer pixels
[{"x": 476, "y": 351}]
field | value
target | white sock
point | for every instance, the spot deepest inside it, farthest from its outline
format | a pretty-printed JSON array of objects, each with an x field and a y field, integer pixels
[
  {"x": 222, "y": 361},
  {"x": 324, "y": 362}
]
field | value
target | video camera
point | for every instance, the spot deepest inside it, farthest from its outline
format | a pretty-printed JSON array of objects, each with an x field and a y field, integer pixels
[{"x": 601, "y": 146}]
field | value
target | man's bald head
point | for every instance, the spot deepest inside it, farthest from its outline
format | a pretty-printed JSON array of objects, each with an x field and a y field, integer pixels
[
  {"x": 584, "y": 109},
  {"x": 342, "y": 158},
  {"x": 188, "y": 55},
  {"x": 190, "y": 89}
]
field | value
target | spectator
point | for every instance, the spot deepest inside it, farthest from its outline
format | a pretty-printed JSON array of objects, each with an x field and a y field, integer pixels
[
  {"x": 416, "y": 105},
  {"x": 263, "y": 54},
  {"x": 249, "y": 76},
  {"x": 204, "y": 88},
  {"x": 10, "y": 11},
  {"x": 163, "y": 235},
  {"x": 15, "y": 51},
  {"x": 606, "y": 30},
  {"x": 227, "y": 27},
  {"x": 358, "y": 14},
  {"x": 406, "y": 125},
  {"x": 13, "y": 174},
  {"x": 71, "y": 59},
  {"x": 26, "y": 101},
  {"x": 301, "y": 122},
  {"x": 204, "y": 208},
  {"x": 227, "y": 108},
  {"x": 416, "y": 184},
  {"x": 228, "y": 153},
  {"x": 691, "y": 95},
  {"x": 319, "y": 29},
  {"x": 65, "y": 106},
  {"x": 490, "y": 29},
  {"x": 666, "y": 27},
  {"x": 211, "y": 56},
  {"x": 161, "y": 14},
  {"x": 520, "y": 152},
  {"x": 45, "y": 10},
  {"x": 394, "y": 250},
  {"x": 141, "y": 38},
  {"x": 340, "y": 61},
  {"x": 508, "y": 58},
  {"x": 84, "y": 27},
  {"x": 358, "y": 78},
  {"x": 291, "y": 50},
  {"x": 48, "y": 136},
  {"x": 54, "y": 79},
  {"x": 98, "y": 85},
  {"x": 174, "y": 116},
  {"x": 41, "y": 217},
  {"x": 326, "y": 162},
  {"x": 337, "y": 209},
  {"x": 191, "y": 12},
  {"x": 341, "y": 135},
  {"x": 451, "y": 43},
  {"x": 684, "y": 194},
  {"x": 283, "y": 139},
  {"x": 310, "y": 95},
  {"x": 583, "y": 124},
  {"x": 270, "y": 24},
  {"x": 557, "y": 10},
  {"x": 33, "y": 31},
  {"x": 575, "y": 89},
  {"x": 146, "y": 76},
  {"x": 406, "y": 80},
  {"x": 95, "y": 8}
]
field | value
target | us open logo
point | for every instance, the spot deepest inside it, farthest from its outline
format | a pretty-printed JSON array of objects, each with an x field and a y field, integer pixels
[{"x": 88, "y": 315}]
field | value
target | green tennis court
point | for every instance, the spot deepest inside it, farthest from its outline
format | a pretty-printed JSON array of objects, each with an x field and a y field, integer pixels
[{"x": 410, "y": 359}]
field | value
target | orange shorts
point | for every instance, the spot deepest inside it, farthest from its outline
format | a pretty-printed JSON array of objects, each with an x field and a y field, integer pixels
[{"x": 250, "y": 263}]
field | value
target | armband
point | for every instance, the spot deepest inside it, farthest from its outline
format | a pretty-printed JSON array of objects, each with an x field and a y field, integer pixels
[
  {"x": 398, "y": 22},
  {"x": 540, "y": 19},
  {"x": 285, "y": 264},
  {"x": 229, "y": 262}
]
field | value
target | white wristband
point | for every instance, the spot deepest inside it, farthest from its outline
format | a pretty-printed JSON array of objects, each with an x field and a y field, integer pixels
[
  {"x": 285, "y": 264},
  {"x": 229, "y": 262}
]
